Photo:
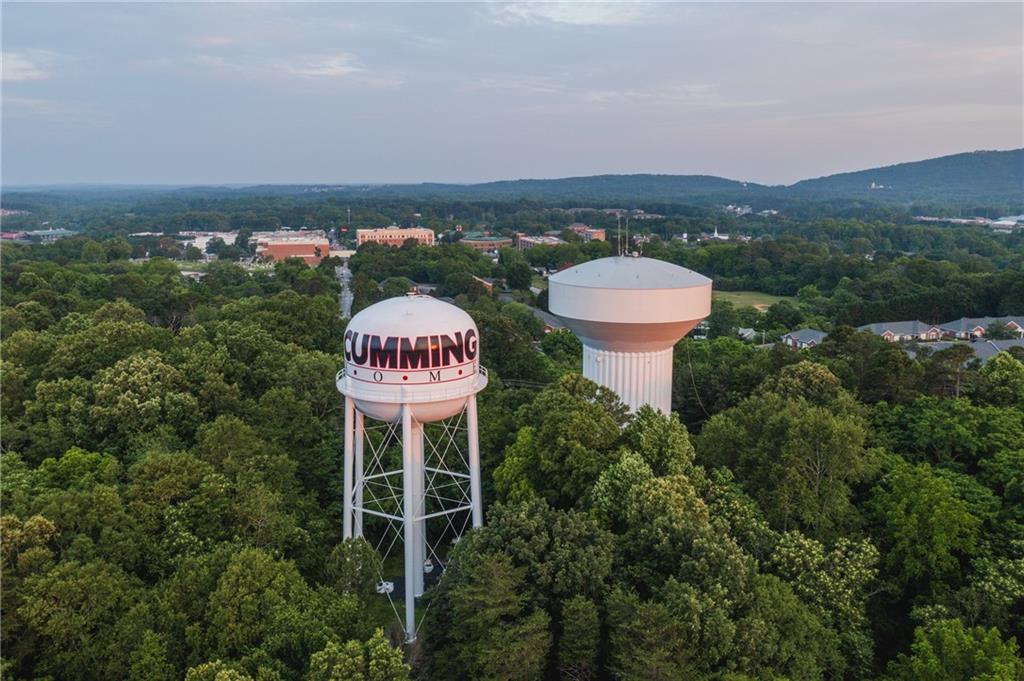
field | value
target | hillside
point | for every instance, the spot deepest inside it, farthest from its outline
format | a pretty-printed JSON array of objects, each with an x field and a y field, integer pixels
[
  {"x": 643, "y": 187},
  {"x": 973, "y": 175},
  {"x": 968, "y": 179}
]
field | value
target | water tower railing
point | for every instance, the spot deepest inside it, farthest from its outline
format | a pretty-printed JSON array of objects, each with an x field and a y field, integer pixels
[{"x": 435, "y": 394}]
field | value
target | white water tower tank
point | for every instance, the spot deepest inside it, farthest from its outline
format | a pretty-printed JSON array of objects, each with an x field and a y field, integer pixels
[
  {"x": 413, "y": 350},
  {"x": 629, "y": 312},
  {"x": 411, "y": 361}
]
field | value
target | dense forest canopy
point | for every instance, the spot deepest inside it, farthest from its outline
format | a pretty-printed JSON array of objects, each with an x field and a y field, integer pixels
[{"x": 171, "y": 484}]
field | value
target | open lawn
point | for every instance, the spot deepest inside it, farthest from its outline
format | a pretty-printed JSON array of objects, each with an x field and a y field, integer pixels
[{"x": 755, "y": 299}]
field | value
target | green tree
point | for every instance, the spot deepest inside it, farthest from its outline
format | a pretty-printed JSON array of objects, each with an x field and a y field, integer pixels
[
  {"x": 925, "y": 527},
  {"x": 518, "y": 275},
  {"x": 949, "y": 651},
  {"x": 575, "y": 425},
  {"x": 497, "y": 637},
  {"x": 580, "y": 639},
  {"x": 1002, "y": 381},
  {"x": 999, "y": 331},
  {"x": 79, "y": 612},
  {"x": 798, "y": 460},
  {"x": 149, "y": 661},
  {"x": 354, "y": 566}
]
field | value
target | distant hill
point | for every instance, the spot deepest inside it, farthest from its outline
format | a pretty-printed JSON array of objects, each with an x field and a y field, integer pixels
[
  {"x": 995, "y": 177},
  {"x": 974, "y": 175},
  {"x": 591, "y": 188}
]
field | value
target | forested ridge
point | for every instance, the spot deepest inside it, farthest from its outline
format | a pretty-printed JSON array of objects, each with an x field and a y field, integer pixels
[{"x": 171, "y": 467}]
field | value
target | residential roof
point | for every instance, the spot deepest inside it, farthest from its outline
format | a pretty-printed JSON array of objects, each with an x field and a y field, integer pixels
[
  {"x": 983, "y": 349},
  {"x": 912, "y": 327},
  {"x": 967, "y": 324},
  {"x": 806, "y": 335}
]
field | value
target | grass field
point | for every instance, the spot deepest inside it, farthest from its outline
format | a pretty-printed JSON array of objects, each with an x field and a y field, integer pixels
[{"x": 749, "y": 298}]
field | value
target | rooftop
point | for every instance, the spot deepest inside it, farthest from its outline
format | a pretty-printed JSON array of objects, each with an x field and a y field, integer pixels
[{"x": 628, "y": 272}]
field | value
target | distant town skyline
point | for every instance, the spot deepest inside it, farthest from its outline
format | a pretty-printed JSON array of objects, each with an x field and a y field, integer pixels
[{"x": 352, "y": 93}]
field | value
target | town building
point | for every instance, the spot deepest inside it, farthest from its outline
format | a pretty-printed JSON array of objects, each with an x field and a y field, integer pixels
[
  {"x": 486, "y": 282},
  {"x": 746, "y": 333},
  {"x": 523, "y": 242},
  {"x": 201, "y": 240},
  {"x": 395, "y": 236},
  {"x": 896, "y": 332},
  {"x": 485, "y": 241},
  {"x": 804, "y": 338},
  {"x": 48, "y": 236},
  {"x": 310, "y": 246},
  {"x": 975, "y": 327},
  {"x": 586, "y": 232}
]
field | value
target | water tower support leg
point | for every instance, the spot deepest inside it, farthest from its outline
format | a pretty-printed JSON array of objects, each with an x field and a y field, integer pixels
[
  {"x": 475, "y": 495},
  {"x": 360, "y": 437},
  {"x": 409, "y": 513},
  {"x": 419, "y": 479},
  {"x": 349, "y": 422}
]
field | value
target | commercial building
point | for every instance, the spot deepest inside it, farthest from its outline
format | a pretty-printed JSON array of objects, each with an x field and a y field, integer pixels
[
  {"x": 586, "y": 232},
  {"x": 48, "y": 236},
  {"x": 523, "y": 242},
  {"x": 395, "y": 236},
  {"x": 310, "y": 246},
  {"x": 485, "y": 242}
]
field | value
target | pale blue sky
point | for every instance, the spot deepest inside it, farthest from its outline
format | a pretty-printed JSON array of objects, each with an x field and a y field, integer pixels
[{"x": 239, "y": 93}]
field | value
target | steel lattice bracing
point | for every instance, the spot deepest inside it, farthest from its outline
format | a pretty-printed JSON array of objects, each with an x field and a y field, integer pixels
[{"x": 415, "y": 485}]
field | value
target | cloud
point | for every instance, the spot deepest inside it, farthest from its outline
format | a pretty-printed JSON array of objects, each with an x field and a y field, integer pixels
[
  {"x": 36, "y": 109},
  {"x": 28, "y": 65},
  {"x": 571, "y": 13},
  {"x": 324, "y": 66},
  {"x": 216, "y": 40},
  {"x": 563, "y": 98}
]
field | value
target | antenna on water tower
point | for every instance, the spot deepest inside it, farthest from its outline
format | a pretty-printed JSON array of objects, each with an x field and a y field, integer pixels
[{"x": 412, "y": 365}]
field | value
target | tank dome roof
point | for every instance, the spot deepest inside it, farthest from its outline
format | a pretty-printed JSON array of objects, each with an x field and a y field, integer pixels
[
  {"x": 628, "y": 272},
  {"x": 414, "y": 315}
]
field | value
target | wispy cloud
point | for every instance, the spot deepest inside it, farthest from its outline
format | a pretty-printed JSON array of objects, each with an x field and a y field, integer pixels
[
  {"x": 322, "y": 66},
  {"x": 571, "y": 13},
  {"x": 37, "y": 109},
  {"x": 216, "y": 40},
  {"x": 28, "y": 65},
  {"x": 563, "y": 97},
  {"x": 336, "y": 66}
]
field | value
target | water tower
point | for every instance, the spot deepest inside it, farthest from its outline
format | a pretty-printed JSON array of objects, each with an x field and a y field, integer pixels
[
  {"x": 412, "y": 372},
  {"x": 629, "y": 311}
]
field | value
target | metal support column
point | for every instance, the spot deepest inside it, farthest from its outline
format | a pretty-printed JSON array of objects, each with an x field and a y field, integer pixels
[
  {"x": 409, "y": 525},
  {"x": 475, "y": 495},
  {"x": 360, "y": 437},
  {"x": 419, "y": 480},
  {"x": 349, "y": 423}
]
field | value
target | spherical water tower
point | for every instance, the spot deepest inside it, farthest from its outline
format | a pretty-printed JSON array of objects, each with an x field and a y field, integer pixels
[
  {"x": 411, "y": 362},
  {"x": 629, "y": 311}
]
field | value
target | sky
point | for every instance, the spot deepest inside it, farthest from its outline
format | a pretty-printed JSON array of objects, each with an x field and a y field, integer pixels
[{"x": 353, "y": 93}]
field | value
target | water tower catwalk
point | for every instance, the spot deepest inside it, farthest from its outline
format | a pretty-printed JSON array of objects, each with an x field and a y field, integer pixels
[
  {"x": 629, "y": 312},
  {"x": 412, "y": 454}
]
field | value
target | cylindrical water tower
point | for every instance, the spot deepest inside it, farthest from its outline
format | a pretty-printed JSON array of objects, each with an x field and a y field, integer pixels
[
  {"x": 629, "y": 311},
  {"x": 410, "y": 362}
]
